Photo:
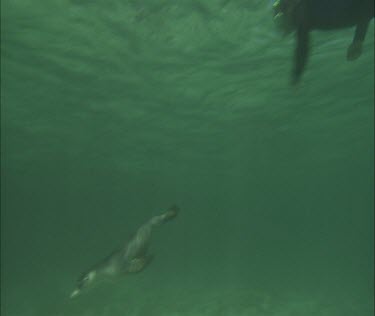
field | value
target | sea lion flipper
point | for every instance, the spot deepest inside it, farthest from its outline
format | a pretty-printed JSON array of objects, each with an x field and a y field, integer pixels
[{"x": 138, "y": 264}]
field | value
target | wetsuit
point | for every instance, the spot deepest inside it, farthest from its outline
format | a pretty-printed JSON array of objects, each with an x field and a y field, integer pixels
[{"x": 307, "y": 15}]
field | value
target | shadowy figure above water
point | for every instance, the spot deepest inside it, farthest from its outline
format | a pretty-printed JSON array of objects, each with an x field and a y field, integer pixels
[
  {"x": 133, "y": 257},
  {"x": 303, "y": 16}
]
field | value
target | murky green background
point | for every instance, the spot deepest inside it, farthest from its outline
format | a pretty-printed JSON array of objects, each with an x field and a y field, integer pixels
[{"x": 113, "y": 110}]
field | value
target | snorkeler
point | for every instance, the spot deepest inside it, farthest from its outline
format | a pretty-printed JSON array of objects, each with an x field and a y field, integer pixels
[
  {"x": 304, "y": 16},
  {"x": 131, "y": 258}
]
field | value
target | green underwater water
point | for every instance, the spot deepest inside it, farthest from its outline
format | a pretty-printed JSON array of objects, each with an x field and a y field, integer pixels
[{"x": 113, "y": 110}]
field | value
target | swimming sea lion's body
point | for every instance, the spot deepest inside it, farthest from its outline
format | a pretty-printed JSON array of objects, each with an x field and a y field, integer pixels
[{"x": 133, "y": 257}]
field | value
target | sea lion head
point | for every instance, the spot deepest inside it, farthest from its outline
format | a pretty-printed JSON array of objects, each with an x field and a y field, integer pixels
[{"x": 84, "y": 281}]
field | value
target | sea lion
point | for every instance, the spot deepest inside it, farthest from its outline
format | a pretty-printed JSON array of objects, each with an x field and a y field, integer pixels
[{"x": 131, "y": 258}]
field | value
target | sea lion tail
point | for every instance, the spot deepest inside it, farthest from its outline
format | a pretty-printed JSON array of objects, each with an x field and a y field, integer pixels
[{"x": 171, "y": 213}]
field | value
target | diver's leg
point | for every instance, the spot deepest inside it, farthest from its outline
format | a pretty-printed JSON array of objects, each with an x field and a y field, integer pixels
[
  {"x": 301, "y": 53},
  {"x": 355, "y": 48}
]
